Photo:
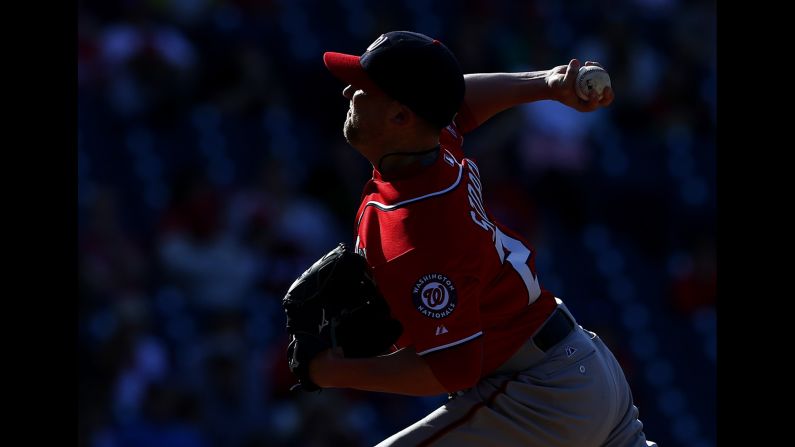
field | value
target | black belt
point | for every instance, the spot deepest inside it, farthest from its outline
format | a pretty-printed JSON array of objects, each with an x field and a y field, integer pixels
[{"x": 557, "y": 327}]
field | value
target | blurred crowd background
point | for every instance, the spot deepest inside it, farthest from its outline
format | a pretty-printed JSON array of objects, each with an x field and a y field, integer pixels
[{"x": 212, "y": 171}]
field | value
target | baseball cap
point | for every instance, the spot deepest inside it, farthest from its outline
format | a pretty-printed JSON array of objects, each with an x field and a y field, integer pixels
[{"x": 412, "y": 68}]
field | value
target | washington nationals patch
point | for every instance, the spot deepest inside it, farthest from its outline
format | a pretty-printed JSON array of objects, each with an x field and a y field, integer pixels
[{"x": 435, "y": 296}]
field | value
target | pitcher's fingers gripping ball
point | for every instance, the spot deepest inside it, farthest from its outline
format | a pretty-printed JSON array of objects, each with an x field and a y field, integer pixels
[{"x": 591, "y": 78}]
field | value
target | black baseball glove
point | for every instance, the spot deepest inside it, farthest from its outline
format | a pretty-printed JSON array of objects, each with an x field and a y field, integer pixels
[{"x": 335, "y": 303}]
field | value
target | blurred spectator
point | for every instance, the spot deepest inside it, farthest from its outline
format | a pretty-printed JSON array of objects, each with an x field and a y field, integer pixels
[
  {"x": 145, "y": 360},
  {"x": 169, "y": 419},
  {"x": 111, "y": 262},
  {"x": 197, "y": 250},
  {"x": 695, "y": 279},
  {"x": 555, "y": 136}
]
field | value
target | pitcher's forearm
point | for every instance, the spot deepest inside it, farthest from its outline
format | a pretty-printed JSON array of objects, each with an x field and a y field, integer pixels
[
  {"x": 488, "y": 94},
  {"x": 401, "y": 372}
]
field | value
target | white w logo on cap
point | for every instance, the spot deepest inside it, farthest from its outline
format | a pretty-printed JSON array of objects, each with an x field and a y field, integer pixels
[{"x": 381, "y": 39}]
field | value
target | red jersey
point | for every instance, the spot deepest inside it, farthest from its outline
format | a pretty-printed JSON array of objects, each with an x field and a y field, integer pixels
[{"x": 451, "y": 274}]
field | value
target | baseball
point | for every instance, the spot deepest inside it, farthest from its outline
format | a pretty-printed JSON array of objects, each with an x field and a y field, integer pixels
[{"x": 589, "y": 78}]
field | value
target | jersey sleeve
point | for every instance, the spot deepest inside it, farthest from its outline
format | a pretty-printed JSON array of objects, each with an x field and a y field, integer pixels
[
  {"x": 435, "y": 297},
  {"x": 465, "y": 120}
]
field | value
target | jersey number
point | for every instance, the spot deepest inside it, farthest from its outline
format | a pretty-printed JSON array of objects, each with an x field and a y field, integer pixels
[{"x": 518, "y": 256}]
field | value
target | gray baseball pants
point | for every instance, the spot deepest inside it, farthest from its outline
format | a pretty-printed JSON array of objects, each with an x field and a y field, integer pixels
[{"x": 573, "y": 395}]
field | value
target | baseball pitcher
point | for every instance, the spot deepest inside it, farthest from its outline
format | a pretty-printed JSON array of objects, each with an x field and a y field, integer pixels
[{"x": 436, "y": 296}]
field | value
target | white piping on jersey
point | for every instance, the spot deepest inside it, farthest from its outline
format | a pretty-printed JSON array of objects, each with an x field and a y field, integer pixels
[
  {"x": 463, "y": 340},
  {"x": 385, "y": 207}
]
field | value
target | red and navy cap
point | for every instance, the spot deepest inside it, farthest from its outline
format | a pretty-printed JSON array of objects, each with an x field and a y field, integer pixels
[{"x": 412, "y": 68}]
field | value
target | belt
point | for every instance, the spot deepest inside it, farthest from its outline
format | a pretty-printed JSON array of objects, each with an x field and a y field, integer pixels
[{"x": 557, "y": 327}]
